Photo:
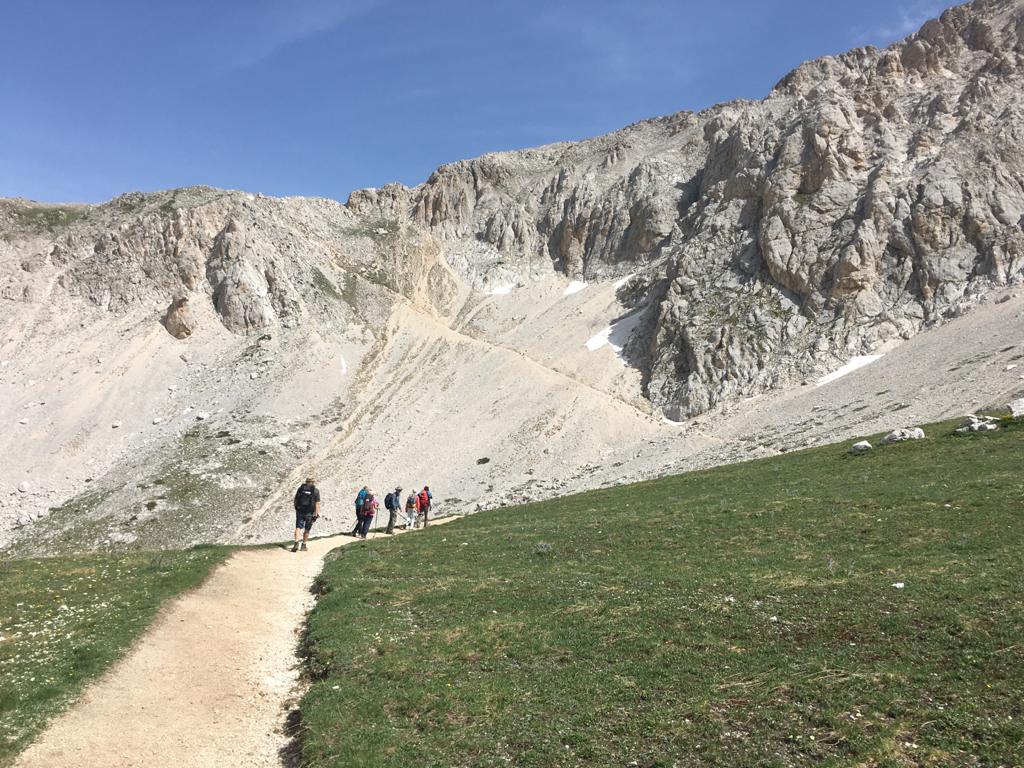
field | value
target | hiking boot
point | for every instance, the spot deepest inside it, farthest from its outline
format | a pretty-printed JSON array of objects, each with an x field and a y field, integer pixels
[
  {"x": 303, "y": 547},
  {"x": 295, "y": 547}
]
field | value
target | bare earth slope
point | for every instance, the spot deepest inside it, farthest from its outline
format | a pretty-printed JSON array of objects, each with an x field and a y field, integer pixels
[{"x": 526, "y": 323}]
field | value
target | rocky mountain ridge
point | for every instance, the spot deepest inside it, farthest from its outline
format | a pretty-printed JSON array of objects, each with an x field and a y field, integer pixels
[
  {"x": 872, "y": 194},
  {"x": 565, "y": 299}
]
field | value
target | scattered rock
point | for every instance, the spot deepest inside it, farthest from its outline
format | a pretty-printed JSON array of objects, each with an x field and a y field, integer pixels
[
  {"x": 1003, "y": 300},
  {"x": 157, "y": 420},
  {"x": 23, "y": 487},
  {"x": 1016, "y": 408},
  {"x": 978, "y": 424},
  {"x": 116, "y": 425},
  {"x": 899, "y": 435},
  {"x": 862, "y": 447},
  {"x": 1009, "y": 368},
  {"x": 23, "y": 421},
  {"x": 202, "y": 416}
]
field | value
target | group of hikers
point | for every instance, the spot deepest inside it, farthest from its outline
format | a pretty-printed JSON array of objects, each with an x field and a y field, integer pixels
[
  {"x": 417, "y": 509},
  {"x": 307, "y": 509}
]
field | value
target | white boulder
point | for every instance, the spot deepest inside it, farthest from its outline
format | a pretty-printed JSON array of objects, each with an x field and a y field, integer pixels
[
  {"x": 900, "y": 435},
  {"x": 862, "y": 447},
  {"x": 1016, "y": 408}
]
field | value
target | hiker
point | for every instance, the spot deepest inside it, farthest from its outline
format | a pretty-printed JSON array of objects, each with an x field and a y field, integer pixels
[
  {"x": 369, "y": 512},
  {"x": 393, "y": 504},
  {"x": 360, "y": 500},
  {"x": 307, "y": 510},
  {"x": 424, "y": 500},
  {"x": 412, "y": 511}
]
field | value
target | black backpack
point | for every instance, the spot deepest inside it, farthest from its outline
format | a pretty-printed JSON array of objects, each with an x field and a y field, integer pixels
[
  {"x": 304, "y": 498},
  {"x": 389, "y": 502}
]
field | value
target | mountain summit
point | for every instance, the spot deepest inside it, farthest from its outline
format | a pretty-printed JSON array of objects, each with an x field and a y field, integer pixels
[{"x": 527, "y": 322}]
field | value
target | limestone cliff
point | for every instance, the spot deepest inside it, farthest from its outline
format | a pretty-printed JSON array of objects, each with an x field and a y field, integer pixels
[{"x": 442, "y": 331}]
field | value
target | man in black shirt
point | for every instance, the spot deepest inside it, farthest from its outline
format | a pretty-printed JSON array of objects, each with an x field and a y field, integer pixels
[{"x": 307, "y": 510}]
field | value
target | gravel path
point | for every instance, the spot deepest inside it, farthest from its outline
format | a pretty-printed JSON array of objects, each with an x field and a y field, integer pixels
[{"x": 208, "y": 684}]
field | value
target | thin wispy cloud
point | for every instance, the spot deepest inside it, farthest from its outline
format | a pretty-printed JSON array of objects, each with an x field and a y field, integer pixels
[
  {"x": 908, "y": 19},
  {"x": 620, "y": 43},
  {"x": 254, "y": 32}
]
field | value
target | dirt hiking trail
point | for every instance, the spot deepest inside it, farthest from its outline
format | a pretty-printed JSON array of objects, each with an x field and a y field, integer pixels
[{"x": 208, "y": 683}]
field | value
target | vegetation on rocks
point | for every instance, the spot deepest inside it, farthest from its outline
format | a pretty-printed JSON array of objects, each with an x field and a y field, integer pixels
[
  {"x": 814, "y": 608},
  {"x": 200, "y": 490},
  {"x": 64, "y": 620},
  {"x": 41, "y": 219}
]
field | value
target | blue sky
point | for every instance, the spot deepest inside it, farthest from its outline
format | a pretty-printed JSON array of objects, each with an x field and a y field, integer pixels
[{"x": 320, "y": 97}]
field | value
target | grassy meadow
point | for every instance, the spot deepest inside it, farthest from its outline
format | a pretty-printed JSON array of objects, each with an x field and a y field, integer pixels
[
  {"x": 64, "y": 620},
  {"x": 815, "y": 608}
]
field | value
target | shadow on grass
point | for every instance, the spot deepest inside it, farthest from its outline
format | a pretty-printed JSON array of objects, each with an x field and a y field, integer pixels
[{"x": 291, "y": 753}]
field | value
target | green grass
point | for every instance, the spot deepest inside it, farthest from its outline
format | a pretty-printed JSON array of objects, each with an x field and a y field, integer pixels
[
  {"x": 378, "y": 230},
  {"x": 323, "y": 284},
  {"x": 741, "y": 616},
  {"x": 169, "y": 206},
  {"x": 48, "y": 218},
  {"x": 64, "y": 620}
]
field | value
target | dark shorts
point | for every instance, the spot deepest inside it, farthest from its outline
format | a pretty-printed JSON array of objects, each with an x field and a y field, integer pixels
[{"x": 304, "y": 520}]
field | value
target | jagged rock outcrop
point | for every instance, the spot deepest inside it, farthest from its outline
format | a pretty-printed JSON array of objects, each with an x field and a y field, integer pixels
[
  {"x": 869, "y": 196},
  {"x": 488, "y": 312},
  {"x": 179, "y": 320}
]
